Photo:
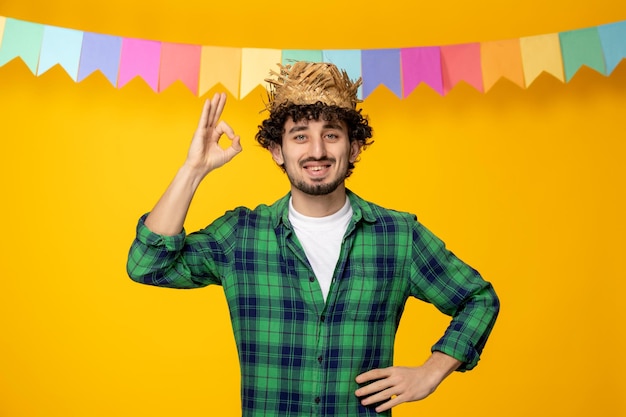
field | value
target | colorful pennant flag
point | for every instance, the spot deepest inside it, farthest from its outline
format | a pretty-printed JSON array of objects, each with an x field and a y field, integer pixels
[
  {"x": 255, "y": 64},
  {"x": 2, "y": 24},
  {"x": 461, "y": 63},
  {"x": 220, "y": 65},
  {"x": 294, "y": 55},
  {"x": 100, "y": 53},
  {"x": 613, "y": 40},
  {"x": 501, "y": 59},
  {"x": 421, "y": 65},
  {"x": 349, "y": 60},
  {"x": 541, "y": 53},
  {"x": 21, "y": 39},
  {"x": 180, "y": 62},
  {"x": 381, "y": 66},
  {"x": 140, "y": 58},
  {"x": 60, "y": 46},
  {"x": 241, "y": 70},
  {"x": 581, "y": 47}
]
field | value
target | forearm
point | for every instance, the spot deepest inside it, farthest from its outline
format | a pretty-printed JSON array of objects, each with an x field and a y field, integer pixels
[{"x": 168, "y": 215}]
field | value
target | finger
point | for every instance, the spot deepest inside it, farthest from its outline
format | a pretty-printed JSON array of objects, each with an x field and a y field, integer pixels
[
  {"x": 224, "y": 128},
  {"x": 217, "y": 106},
  {"x": 212, "y": 109},
  {"x": 378, "y": 397},
  {"x": 204, "y": 117},
  {"x": 373, "y": 388},
  {"x": 372, "y": 375},
  {"x": 389, "y": 404}
]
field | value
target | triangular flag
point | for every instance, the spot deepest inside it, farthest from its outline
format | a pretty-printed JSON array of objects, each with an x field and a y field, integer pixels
[
  {"x": 256, "y": 64},
  {"x": 60, "y": 46},
  {"x": 2, "y": 23},
  {"x": 220, "y": 65},
  {"x": 613, "y": 39},
  {"x": 541, "y": 53},
  {"x": 581, "y": 47},
  {"x": 348, "y": 60},
  {"x": 100, "y": 52},
  {"x": 419, "y": 65},
  {"x": 21, "y": 39},
  {"x": 501, "y": 59},
  {"x": 293, "y": 55},
  {"x": 140, "y": 58},
  {"x": 461, "y": 63},
  {"x": 180, "y": 62},
  {"x": 381, "y": 66}
]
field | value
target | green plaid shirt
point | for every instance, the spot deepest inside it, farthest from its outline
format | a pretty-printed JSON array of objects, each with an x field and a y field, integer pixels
[{"x": 300, "y": 355}]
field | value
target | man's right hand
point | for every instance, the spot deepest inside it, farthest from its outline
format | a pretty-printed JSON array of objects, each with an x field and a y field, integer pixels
[{"x": 205, "y": 153}]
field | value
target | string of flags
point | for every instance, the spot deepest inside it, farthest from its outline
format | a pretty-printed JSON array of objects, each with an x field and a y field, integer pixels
[{"x": 240, "y": 70}]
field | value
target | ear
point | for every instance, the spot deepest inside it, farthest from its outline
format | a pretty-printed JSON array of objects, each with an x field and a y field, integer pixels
[
  {"x": 355, "y": 150},
  {"x": 277, "y": 153}
]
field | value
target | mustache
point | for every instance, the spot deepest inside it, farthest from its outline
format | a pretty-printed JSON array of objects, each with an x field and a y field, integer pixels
[{"x": 307, "y": 160}]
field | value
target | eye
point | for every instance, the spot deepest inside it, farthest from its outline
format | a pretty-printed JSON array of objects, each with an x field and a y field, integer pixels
[
  {"x": 300, "y": 138},
  {"x": 332, "y": 136}
]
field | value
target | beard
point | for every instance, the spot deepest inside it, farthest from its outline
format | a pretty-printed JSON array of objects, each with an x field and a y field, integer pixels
[
  {"x": 316, "y": 189},
  {"x": 321, "y": 188}
]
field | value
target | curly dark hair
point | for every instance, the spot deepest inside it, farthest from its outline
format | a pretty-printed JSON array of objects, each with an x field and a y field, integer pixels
[{"x": 272, "y": 129}]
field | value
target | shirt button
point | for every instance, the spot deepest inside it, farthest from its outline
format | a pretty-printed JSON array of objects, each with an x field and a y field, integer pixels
[
  {"x": 323, "y": 318},
  {"x": 317, "y": 400},
  {"x": 319, "y": 359},
  {"x": 311, "y": 279}
]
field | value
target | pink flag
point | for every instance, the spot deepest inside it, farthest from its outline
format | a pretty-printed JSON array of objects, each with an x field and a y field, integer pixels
[
  {"x": 140, "y": 58},
  {"x": 421, "y": 65}
]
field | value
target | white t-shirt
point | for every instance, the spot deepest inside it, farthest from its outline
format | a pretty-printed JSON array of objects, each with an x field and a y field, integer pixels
[{"x": 321, "y": 239}]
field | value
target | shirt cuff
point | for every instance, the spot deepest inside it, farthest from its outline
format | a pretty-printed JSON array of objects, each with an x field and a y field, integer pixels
[
  {"x": 459, "y": 347},
  {"x": 148, "y": 237}
]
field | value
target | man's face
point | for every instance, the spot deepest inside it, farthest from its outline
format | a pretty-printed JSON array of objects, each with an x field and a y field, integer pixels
[{"x": 316, "y": 155}]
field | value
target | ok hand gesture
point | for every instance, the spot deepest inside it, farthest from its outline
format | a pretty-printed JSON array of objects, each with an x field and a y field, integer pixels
[{"x": 205, "y": 153}]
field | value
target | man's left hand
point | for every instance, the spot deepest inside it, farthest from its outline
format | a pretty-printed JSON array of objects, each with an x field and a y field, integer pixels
[{"x": 398, "y": 384}]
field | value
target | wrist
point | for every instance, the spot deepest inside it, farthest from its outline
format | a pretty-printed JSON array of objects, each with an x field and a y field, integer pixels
[
  {"x": 440, "y": 365},
  {"x": 191, "y": 175}
]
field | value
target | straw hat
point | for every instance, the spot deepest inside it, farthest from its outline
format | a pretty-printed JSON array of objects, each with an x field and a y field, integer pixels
[{"x": 310, "y": 82}]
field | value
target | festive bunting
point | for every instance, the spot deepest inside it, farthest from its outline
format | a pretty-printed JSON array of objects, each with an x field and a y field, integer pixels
[
  {"x": 381, "y": 66},
  {"x": 461, "y": 63},
  {"x": 613, "y": 39},
  {"x": 60, "y": 46},
  {"x": 220, "y": 65},
  {"x": 581, "y": 47},
  {"x": 100, "y": 52},
  {"x": 2, "y": 23},
  {"x": 240, "y": 70},
  {"x": 254, "y": 67},
  {"x": 180, "y": 62},
  {"x": 140, "y": 58},
  {"x": 349, "y": 60},
  {"x": 21, "y": 39},
  {"x": 421, "y": 65},
  {"x": 293, "y": 55},
  {"x": 541, "y": 53},
  {"x": 501, "y": 59}
]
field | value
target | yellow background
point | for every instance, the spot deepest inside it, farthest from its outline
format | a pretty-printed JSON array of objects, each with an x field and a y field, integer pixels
[{"x": 524, "y": 184}]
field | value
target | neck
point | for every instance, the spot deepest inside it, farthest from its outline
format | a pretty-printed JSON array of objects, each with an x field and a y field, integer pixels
[{"x": 318, "y": 205}]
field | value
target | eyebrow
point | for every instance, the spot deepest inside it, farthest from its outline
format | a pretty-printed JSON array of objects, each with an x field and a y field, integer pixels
[{"x": 300, "y": 128}]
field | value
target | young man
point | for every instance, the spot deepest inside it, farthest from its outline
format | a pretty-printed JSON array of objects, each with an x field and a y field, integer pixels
[{"x": 316, "y": 282}]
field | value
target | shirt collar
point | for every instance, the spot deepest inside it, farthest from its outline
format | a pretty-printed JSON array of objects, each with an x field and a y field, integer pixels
[{"x": 361, "y": 210}]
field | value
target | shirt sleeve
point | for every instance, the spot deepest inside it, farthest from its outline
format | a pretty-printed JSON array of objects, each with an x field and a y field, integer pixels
[
  {"x": 179, "y": 261},
  {"x": 458, "y": 290}
]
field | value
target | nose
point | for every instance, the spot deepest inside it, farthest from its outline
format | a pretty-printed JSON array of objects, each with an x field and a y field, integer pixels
[{"x": 318, "y": 148}]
